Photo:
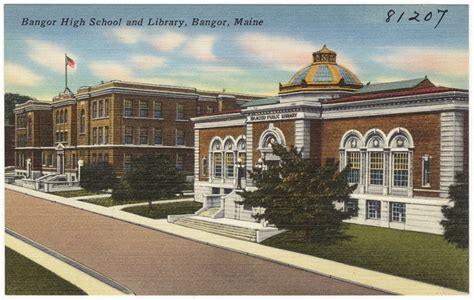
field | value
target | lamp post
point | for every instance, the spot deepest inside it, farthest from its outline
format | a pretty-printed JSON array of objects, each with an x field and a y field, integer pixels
[{"x": 240, "y": 168}]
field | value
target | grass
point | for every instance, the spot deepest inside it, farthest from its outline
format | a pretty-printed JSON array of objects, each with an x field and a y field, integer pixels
[
  {"x": 25, "y": 277},
  {"x": 108, "y": 201},
  {"x": 70, "y": 194},
  {"x": 419, "y": 256},
  {"x": 161, "y": 211}
]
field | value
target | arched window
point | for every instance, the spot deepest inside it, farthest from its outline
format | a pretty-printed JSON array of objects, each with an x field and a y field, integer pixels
[
  {"x": 401, "y": 146},
  {"x": 241, "y": 154},
  {"x": 83, "y": 122},
  {"x": 375, "y": 143},
  {"x": 350, "y": 155},
  {"x": 229, "y": 157},
  {"x": 216, "y": 158}
]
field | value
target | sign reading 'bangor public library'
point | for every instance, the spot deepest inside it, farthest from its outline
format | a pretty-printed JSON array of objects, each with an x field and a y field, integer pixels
[{"x": 272, "y": 117}]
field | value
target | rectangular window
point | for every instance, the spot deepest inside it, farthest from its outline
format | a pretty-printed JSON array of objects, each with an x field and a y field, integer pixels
[
  {"x": 373, "y": 209},
  {"x": 400, "y": 169},
  {"x": 94, "y": 136},
  {"x": 353, "y": 160},
  {"x": 144, "y": 136},
  {"x": 229, "y": 164},
  {"x": 351, "y": 206},
  {"x": 100, "y": 135},
  {"x": 50, "y": 160},
  {"x": 204, "y": 166},
  {"x": 94, "y": 109},
  {"x": 426, "y": 171},
  {"x": 65, "y": 137},
  {"x": 128, "y": 135},
  {"x": 106, "y": 107},
  {"x": 143, "y": 109},
  {"x": 157, "y": 110},
  {"x": 179, "y": 162},
  {"x": 157, "y": 137},
  {"x": 180, "y": 112},
  {"x": 217, "y": 165},
  {"x": 106, "y": 135},
  {"x": 179, "y": 137},
  {"x": 128, "y": 108},
  {"x": 397, "y": 212},
  {"x": 127, "y": 162},
  {"x": 376, "y": 168},
  {"x": 101, "y": 109}
]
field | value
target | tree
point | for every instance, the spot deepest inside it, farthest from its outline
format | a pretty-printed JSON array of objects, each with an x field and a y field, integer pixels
[
  {"x": 97, "y": 177},
  {"x": 298, "y": 195},
  {"x": 154, "y": 177},
  {"x": 456, "y": 223},
  {"x": 10, "y": 101}
]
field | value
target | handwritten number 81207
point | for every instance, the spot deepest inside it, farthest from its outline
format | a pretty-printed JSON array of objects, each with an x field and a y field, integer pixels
[{"x": 417, "y": 17}]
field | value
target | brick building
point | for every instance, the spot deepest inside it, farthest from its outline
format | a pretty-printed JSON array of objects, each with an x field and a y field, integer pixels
[
  {"x": 404, "y": 142},
  {"x": 111, "y": 122}
]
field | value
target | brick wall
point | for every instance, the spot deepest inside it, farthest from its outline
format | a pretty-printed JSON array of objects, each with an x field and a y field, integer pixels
[{"x": 287, "y": 127}]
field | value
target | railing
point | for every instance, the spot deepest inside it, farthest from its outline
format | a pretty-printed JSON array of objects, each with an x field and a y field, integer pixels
[
  {"x": 213, "y": 200},
  {"x": 58, "y": 186},
  {"x": 29, "y": 183}
]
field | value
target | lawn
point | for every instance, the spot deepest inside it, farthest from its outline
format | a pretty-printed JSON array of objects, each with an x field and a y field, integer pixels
[
  {"x": 108, "y": 201},
  {"x": 419, "y": 256},
  {"x": 25, "y": 277},
  {"x": 70, "y": 194},
  {"x": 161, "y": 211}
]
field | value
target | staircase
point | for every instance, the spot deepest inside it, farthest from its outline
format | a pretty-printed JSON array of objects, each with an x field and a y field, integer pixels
[
  {"x": 232, "y": 231},
  {"x": 209, "y": 212}
]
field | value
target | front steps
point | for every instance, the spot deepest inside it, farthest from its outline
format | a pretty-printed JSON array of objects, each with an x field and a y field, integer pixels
[
  {"x": 209, "y": 212},
  {"x": 242, "y": 233}
]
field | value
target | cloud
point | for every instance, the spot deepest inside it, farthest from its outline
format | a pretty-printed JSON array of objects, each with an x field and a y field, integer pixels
[
  {"x": 128, "y": 35},
  {"x": 282, "y": 52},
  {"x": 201, "y": 48},
  {"x": 18, "y": 75},
  {"x": 445, "y": 62},
  {"x": 49, "y": 55},
  {"x": 110, "y": 70},
  {"x": 166, "y": 41},
  {"x": 147, "y": 61}
]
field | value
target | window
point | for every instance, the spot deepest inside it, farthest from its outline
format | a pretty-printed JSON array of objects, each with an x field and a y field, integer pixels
[
  {"x": 351, "y": 206},
  {"x": 157, "y": 110},
  {"x": 376, "y": 168},
  {"x": 30, "y": 128},
  {"x": 100, "y": 136},
  {"x": 243, "y": 158},
  {"x": 397, "y": 212},
  {"x": 101, "y": 109},
  {"x": 128, "y": 108},
  {"x": 83, "y": 122},
  {"x": 106, "y": 107},
  {"x": 157, "y": 136},
  {"x": 229, "y": 164},
  {"x": 144, "y": 136},
  {"x": 94, "y": 136},
  {"x": 400, "y": 169},
  {"x": 217, "y": 165},
  {"x": 106, "y": 135},
  {"x": 353, "y": 160},
  {"x": 179, "y": 162},
  {"x": 127, "y": 162},
  {"x": 65, "y": 116},
  {"x": 65, "y": 137},
  {"x": 143, "y": 109},
  {"x": 94, "y": 158},
  {"x": 426, "y": 171},
  {"x": 94, "y": 109},
  {"x": 57, "y": 137},
  {"x": 57, "y": 117},
  {"x": 50, "y": 160},
  {"x": 128, "y": 135},
  {"x": 100, "y": 157},
  {"x": 204, "y": 166},
  {"x": 179, "y": 137},
  {"x": 373, "y": 209},
  {"x": 43, "y": 158},
  {"x": 61, "y": 136},
  {"x": 180, "y": 112}
]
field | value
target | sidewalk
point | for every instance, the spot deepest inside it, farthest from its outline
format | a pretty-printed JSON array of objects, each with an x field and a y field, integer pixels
[{"x": 376, "y": 280}]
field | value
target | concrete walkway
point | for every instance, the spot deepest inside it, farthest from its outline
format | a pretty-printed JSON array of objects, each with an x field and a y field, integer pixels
[{"x": 380, "y": 281}]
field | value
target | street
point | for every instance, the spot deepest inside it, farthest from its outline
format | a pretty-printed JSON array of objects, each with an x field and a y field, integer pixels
[{"x": 154, "y": 263}]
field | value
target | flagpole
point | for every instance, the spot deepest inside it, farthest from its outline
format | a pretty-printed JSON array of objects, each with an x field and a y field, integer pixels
[{"x": 65, "y": 70}]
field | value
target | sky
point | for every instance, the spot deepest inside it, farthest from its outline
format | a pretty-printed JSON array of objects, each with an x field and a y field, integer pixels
[{"x": 241, "y": 59}]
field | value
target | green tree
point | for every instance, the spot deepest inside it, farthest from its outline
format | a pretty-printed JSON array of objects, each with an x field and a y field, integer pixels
[
  {"x": 10, "y": 101},
  {"x": 154, "y": 177},
  {"x": 97, "y": 177},
  {"x": 456, "y": 223},
  {"x": 299, "y": 195}
]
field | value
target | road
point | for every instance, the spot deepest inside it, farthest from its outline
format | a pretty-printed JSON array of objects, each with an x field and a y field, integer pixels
[{"x": 154, "y": 263}]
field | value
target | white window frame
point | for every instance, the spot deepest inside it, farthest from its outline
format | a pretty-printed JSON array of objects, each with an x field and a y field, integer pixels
[
  {"x": 178, "y": 117},
  {"x": 377, "y": 210},
  {"x": 184, "y": 141},
  {"x": 398, "y": 214},
  {"x": 125, "y": 108},
  {"x": 424, "y": 182}
]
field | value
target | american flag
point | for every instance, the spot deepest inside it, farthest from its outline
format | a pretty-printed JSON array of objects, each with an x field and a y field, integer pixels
[{"x": 70, "y": 62}]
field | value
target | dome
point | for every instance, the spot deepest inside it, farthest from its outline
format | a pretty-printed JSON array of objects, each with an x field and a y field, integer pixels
[{"x": 324, "y": 74}]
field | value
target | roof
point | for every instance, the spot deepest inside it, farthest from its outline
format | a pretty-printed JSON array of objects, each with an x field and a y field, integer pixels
[
  {"x": 391, "y": 86},
  {"x": 260, "y": 102},
  {"x": 391, "y": 94}
]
